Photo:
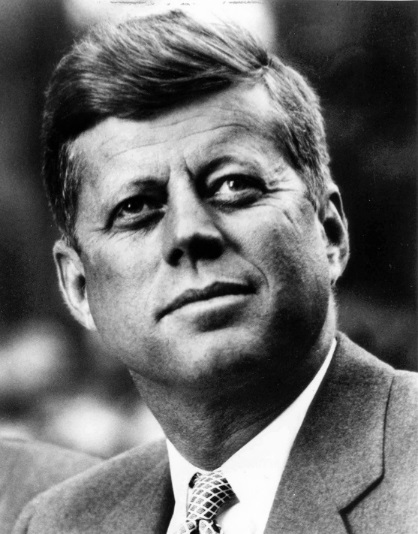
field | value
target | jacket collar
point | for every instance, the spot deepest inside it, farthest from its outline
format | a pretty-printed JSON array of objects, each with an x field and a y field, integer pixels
[{"x": 338, "y": 454}]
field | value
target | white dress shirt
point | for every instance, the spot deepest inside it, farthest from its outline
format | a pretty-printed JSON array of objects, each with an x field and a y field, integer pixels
[{"x": 254, "y": 472}]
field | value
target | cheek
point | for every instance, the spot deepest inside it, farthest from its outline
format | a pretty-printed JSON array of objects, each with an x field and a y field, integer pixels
[
  {"x": 285, "y": 244},
  {"x": 118, "y": 286}
]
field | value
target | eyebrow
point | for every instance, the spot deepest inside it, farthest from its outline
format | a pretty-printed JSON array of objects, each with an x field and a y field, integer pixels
[
  {"x": 132, "y": 187},
  {"x": 220, "y": 161}
]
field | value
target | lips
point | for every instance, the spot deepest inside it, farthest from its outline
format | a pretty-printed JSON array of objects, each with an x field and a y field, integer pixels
[{"x": 217, "y": 289}]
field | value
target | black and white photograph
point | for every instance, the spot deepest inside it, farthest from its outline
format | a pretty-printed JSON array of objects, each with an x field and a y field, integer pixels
[{"x": 208, "y": 267}]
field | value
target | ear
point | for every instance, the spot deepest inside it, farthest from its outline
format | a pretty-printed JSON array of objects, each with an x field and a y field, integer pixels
[
  {"x": 72, "y": 282},
  {"x": 335, "y": 228}
]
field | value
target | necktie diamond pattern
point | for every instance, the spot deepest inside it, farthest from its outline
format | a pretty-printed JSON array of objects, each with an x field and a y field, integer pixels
[{"x": 210, "y": 493}]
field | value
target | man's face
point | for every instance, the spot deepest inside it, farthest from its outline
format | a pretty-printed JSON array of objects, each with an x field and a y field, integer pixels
[{"x": 201, "y": 253}]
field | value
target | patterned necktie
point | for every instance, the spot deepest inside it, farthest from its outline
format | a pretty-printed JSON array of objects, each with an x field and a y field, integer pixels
[{"x": 210, "y": 493}]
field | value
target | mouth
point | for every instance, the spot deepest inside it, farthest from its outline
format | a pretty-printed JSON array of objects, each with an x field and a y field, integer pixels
[{"x": 215, "y": 290}]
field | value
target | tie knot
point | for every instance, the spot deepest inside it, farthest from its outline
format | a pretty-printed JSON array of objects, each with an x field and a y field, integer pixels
[{"x": 210, "y": 492}]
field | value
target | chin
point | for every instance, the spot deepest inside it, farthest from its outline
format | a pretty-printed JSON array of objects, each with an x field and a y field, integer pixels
[{"x": 220, "y": 356}]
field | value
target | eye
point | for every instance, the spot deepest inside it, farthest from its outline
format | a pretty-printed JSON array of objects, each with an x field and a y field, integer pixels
[
  {"x": 137, "y": 211},
  {"x": 239, "y": 183},
  {"x": 132, "y": 205},
  {"x": 236, "y": 189}
]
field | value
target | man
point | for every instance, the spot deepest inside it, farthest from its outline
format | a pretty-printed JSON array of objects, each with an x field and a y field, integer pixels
[
  {"x": 202, "y": 237},
  {"x": 28, "y": 468}
]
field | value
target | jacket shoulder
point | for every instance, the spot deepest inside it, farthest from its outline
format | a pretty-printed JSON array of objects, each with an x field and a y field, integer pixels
[
  {"x": 85, "y": 501},
  {"x": 28, "y": 468},
  {"x": 402, "y": 424},
  {"x": 405, "y": 389},
  {"x": 391, "y": 505}
]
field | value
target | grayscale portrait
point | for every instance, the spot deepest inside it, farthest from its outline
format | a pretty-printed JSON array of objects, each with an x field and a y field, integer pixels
[{"x": 208, "y": 272}]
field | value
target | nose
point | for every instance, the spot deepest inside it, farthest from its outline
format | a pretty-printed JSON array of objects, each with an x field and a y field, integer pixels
[{"x": 190, "y": 232}]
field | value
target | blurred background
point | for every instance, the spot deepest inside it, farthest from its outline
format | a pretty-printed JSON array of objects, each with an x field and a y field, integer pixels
[{"x": 57, "y": 382}]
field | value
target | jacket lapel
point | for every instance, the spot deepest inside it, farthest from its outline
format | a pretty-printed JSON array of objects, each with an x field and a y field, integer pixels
[
  {"x": 147, "y": 506},
  {"x": 303, "y": 503},
  {"x": 157, "y": 509},
  {"x": 338, "y": 454}
]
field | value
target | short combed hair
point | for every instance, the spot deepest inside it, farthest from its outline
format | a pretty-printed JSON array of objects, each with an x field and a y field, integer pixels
[{"x": 141, "y": 67}]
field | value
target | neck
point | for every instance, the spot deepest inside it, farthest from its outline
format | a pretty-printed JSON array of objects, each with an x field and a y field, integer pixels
[{"x": 208, "y": 425}]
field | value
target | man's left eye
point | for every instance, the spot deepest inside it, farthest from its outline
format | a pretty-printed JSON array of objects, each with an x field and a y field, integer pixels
[
  {"x": 237, "y": 188},
  {"x": 235, "y": 184}
]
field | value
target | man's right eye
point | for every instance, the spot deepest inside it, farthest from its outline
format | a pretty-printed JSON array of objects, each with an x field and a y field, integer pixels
[{"x": 137, "y": 211}]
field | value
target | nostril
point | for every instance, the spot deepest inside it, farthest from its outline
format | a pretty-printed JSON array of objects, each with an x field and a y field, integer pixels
[
  {"x": 175, "y": 256},
  {"x": 209, "y": 248},
  {"x": 198, "y": 248}
]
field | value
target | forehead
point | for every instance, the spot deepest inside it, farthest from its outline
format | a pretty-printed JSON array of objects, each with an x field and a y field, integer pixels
[{"x": 210, "y": 123}]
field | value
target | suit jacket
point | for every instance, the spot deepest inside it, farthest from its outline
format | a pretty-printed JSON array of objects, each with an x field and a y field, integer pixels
[
  {"x": 353, "y": 467},
  {"x": 28, "y": 468}
]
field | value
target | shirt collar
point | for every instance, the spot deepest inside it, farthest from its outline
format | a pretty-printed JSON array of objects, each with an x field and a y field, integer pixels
[{"x": 255, "y": 470}]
